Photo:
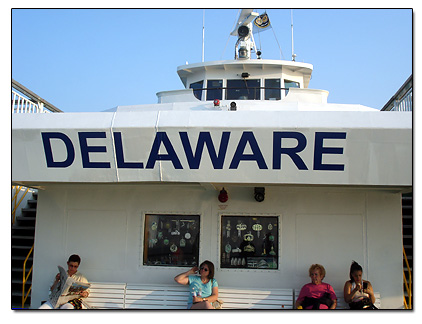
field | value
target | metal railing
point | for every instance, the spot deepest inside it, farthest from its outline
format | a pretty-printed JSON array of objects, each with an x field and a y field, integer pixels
[
  {"x": 20, "y": 105},
  {"x": 407, "y": 284},
  {"x": 402, "y": 99},
  {"x": 25, "y": 278},
  {"x": 15, "y": 202},
  {"x": 404, "y": 103},
  {"x": 26, "y": 101}
]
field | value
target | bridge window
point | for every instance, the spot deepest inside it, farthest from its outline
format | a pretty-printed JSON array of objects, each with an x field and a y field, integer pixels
[
  {"x": 243, "y": 89},
  {"x": 291, "y": 84},
  {"x": 272, "y": 89},
  {"x": 171, "y": 240},
  {"x": 197, "y": 89},
  {"x": 249, "y": 242},
  {"x": 214, "y": 89}
]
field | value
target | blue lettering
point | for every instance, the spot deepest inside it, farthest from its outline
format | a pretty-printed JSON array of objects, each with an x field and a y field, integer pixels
[
  {"x": 120, "y": 157},
  {"x": 248, "y": 137},
  {"x": 320, "y": 150},
  {"x": 46, "y": 137},
  {"x": 205, "y": 138},
  {"x": 290, "y": 151},
  {"x": 85, "y": 150},
  {"x": 161, "y": 137}
]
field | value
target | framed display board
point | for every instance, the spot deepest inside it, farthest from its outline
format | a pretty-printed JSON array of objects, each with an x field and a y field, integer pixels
[
  {"x": 171, "y": 240},
  {"x": 249, "y": 242}
]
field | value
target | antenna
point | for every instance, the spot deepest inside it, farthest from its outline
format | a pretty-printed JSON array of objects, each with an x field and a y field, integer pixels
[
  {"x": 293, "y": 46},
  {"x": 203, "y": 34}
]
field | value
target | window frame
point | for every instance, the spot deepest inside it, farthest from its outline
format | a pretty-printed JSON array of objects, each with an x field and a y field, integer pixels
[
  {"x": 279, "y": 249},
  {"x": 210, "y": 89},
  {"x": 265, "y": 89},
  {"x": 286, "y": 91},
  {"x": 198, "y": 89},
  {"x": 144, "y": 243},
  {"x": 257, "y": 92}
]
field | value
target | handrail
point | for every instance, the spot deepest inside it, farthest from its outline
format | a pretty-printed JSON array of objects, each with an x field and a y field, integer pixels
[
  {"x": 34, "y": 97},
  {"x": 20, "y": 104},
  {"x": 14, "y": 199},
  {"x": 25, "y": 278},
  {"x": 408, "y": 285}
]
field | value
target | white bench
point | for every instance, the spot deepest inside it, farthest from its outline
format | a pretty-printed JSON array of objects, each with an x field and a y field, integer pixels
[
  {"x": 136, "y": 296},
  {"x": 106, "y": 295},
  {"x": 341, "y": 304},
  {"x": 238, "y": 298},
  {"x": 156, "y": 297}
]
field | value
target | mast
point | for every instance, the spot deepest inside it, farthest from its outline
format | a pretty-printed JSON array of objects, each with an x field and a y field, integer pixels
[
  {"x": 243, "y": 30},
  {"x": 293, "y": 47},
  {"x": 203, "y": 35}
]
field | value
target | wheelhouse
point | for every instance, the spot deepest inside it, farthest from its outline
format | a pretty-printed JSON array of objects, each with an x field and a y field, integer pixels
[{"x": 244, "y": 80}]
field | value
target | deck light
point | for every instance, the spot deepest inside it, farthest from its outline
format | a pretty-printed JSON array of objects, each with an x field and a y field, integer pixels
[
  {"x": 259, "y": 194},
  {"x": 245, "y": 75},
  {"x": 223, "y": 196},
  {"x": 233, "y": 106}
]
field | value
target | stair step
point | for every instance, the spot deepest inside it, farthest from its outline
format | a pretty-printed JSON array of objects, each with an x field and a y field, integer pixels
[
  {"x": 25, "y": 218},
  {"x": 29, "y": 209},
  {"x": 19, "y": 281},
  {"x": 23, "y": 237},
  {"x": 20, "y": 269},
  {"x": 19, "y": 227},
  {"x": 19, "y": 257},
  {"x": 22, "y": 247}
]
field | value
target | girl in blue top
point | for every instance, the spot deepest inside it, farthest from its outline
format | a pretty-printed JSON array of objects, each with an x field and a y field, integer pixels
[{"x": 204, "y": 286}]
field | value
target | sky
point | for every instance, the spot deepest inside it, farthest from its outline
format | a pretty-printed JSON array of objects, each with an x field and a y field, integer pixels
[{"x": 83, "y": 60}]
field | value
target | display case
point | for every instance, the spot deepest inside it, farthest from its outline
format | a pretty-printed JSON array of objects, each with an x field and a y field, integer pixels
[
  {"x": 171, "y": 240},
  {"x": 249, "y": 242}
]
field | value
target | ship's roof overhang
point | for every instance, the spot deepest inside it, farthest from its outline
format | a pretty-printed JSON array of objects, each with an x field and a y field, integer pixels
[{"x": 184, "y": 71}]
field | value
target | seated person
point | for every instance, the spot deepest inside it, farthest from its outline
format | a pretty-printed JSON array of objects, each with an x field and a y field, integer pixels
[
  {"x": 203, "y": 288},
  {"x": 316, "y": 295},
  {"x": 358, "y": 293},
  {"x": 72, "y": 270}
]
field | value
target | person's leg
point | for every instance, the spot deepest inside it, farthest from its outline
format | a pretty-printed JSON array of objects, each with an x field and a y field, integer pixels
[
  {"x": 202, "y": 305},
  {"x": 67, "y": 306},
  {"x": 46, "y": 305}
]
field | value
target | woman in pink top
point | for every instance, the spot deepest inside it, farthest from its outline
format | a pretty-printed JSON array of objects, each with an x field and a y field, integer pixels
[{"x": 317, "y": 294}]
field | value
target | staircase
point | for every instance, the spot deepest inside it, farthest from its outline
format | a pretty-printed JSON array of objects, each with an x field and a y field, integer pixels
[
  {"x": 407, "y": 216},
  {"x": 23, "y": 233}
]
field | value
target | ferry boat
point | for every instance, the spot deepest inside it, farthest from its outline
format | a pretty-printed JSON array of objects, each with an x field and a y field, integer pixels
[{"x": 247, "y": 167}]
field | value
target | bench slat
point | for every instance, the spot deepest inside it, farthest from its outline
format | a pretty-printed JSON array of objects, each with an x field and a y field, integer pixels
[
  {"x": 161, "y": 300},
  {"x": 256, "y": 297},
  {"x": 257, "y": 301},
  {"x": 158, "y": 293},
  {"x": 254, "y": 306},
  {"x": 156, "y": 307},
  {"x": 287, "y": 292}
]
